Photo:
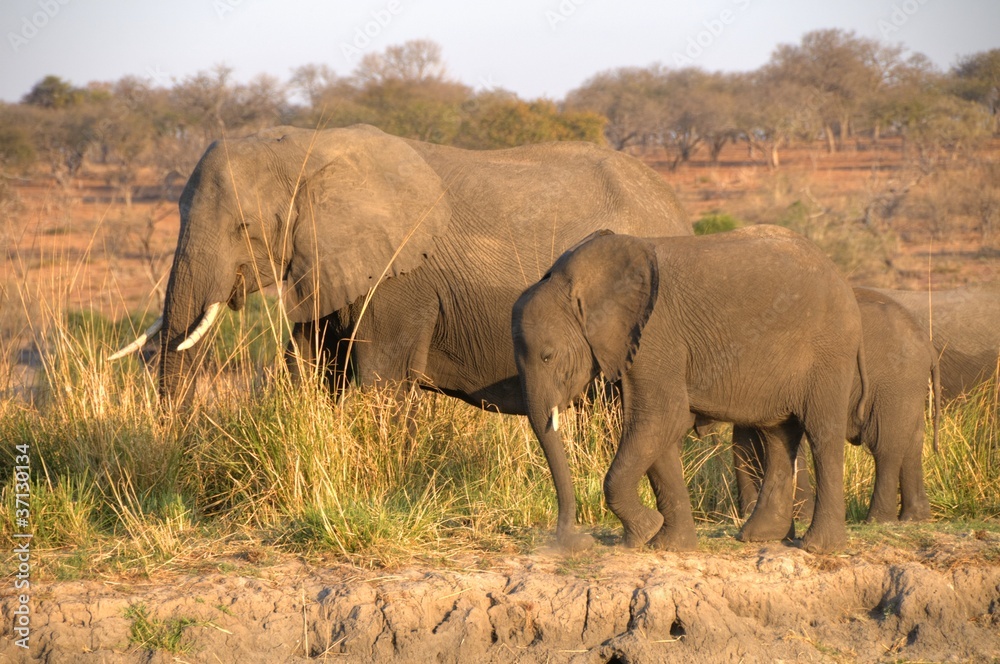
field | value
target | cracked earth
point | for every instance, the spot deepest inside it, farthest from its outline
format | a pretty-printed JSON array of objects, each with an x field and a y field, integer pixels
[{"x": 775, "y": 603}]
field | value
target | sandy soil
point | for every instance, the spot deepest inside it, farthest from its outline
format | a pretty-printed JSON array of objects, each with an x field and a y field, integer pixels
[{"x": 775, "y": 603}]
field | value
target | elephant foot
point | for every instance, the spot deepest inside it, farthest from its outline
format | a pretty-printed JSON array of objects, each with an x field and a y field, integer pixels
[
  {"x": 641, "y": 530},
  {"x": 747, "y": 507},
  {"x": 915, "y": 513},
  {"x": 824, "y": 541},
  {"x": 574, "y": 542},
  {"x": 881, "y": 516},
  {"x": 766, "y": 528},
  {"x": 674, "y": 539}
]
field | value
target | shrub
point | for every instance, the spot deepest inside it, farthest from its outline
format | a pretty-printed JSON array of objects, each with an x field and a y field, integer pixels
[{"x": 716, "y": 222}]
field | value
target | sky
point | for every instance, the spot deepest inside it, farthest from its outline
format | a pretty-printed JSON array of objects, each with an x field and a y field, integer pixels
[{"x": 536, "y": 48}]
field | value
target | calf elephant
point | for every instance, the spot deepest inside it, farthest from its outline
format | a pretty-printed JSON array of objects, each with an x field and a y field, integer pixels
[
  {"x": 964, "y": 326},
  {"x": 334, "y": 214},
  {"x": 899, "y": 358},
  {"x": 659, "y": 315}
]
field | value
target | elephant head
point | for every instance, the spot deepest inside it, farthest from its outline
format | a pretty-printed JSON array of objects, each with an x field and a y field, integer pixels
[
  {"x": 329, "y": 213},
  {"x": 585, "y": 316}
]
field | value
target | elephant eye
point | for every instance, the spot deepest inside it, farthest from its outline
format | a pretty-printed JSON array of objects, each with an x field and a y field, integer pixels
[{"x": 546, "y": 357}]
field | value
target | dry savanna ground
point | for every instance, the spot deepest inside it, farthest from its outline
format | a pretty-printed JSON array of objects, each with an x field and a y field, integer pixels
[{"x": 275, "y": 526}]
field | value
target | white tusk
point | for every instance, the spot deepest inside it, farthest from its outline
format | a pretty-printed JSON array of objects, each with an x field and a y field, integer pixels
[
  {"x": 555, "y": 418},
  {"x": 211, "y": 313},
  {"x": 139, "y": 342}
]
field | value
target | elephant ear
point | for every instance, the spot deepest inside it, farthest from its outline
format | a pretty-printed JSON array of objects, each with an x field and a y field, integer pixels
[
  {"x": 615, "y": 281},
  {"x": 374, "y": 208}
]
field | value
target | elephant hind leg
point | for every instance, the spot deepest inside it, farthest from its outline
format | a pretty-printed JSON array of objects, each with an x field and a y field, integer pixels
[
  {"x": 772, "y": 515},
  {"x": 827, "y": 431},
  {"x": 884, "y": 506},
  {"x": 916, "y": 506},
  {"x": 748, "y": 466}
]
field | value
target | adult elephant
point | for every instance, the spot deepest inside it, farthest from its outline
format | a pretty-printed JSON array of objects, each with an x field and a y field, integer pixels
[
  {"x": 964, "y": 326},
  {"x": 899, "y": 360},
  {"x": 334, "y": 213},
  {"x": 754, "y": 326}
]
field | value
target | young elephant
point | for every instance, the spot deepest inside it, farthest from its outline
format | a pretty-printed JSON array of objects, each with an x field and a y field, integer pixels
[
  {"x": 659, "y": 315},
  {"x": 964, "y": 326},
  {"x": 898, "y": 358}
]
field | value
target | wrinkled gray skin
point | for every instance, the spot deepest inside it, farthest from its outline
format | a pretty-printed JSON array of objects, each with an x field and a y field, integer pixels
[
  {"x": 899, "y": 359},
  {"x": 658, "y": 315},
  {"x": 325, "y": 211},
  {"x": 966, "y": 331}
]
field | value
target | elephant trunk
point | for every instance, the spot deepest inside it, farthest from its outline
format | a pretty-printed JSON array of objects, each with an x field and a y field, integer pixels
[
  {"x": 545, "y": 423},
  {"x": 193, "y": 298}
]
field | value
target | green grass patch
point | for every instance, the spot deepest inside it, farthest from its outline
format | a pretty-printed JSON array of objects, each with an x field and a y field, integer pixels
[
  {"x": 151, "y": 633},
  {"x": 716, "y": 222}
]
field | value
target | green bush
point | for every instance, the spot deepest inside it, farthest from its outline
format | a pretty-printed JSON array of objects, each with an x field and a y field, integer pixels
[
  {"x": 795, "y": 217},
  {"x": 16, "y": 150},
  {"x": 716, "y": 222}
]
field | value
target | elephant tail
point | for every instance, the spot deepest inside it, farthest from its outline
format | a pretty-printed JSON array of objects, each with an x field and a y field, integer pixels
[
  {"x": 936, "y": 387},
  {"x": 863, "y": 381}
]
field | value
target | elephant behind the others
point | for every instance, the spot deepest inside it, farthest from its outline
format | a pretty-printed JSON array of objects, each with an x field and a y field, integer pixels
[
  {"x": 964, "y": 326},
  {"x": 899, "y": 359}
]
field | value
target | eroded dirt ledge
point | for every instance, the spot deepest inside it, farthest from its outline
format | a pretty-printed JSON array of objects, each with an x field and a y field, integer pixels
[{"x": 769, "y": 604}]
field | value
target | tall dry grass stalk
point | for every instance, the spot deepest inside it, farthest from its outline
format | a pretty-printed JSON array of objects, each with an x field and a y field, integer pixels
[{"x": 116, "y": 485}]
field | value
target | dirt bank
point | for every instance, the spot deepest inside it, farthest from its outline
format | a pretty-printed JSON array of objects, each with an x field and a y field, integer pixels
[{"x": 762, "y": 604}]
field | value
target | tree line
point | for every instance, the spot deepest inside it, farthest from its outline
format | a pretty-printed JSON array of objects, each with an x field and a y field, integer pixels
[{"x": 832, "y": 86}]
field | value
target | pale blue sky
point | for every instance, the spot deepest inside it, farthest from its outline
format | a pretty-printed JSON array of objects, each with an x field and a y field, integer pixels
[{"x": 533, "y": 47}]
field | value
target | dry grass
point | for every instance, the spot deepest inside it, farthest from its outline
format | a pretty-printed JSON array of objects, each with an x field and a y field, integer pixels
[{"x": 117, "y": 488}]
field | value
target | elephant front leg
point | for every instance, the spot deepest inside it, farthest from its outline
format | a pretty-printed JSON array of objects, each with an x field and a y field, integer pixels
[
  {"x": 666, "y": 476},
  {"x": 646, "y": 426},
  {"x": 772, "y": 515},
  {"x": 315, "y": 352},
  {"x": 621, "y": 492}
]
